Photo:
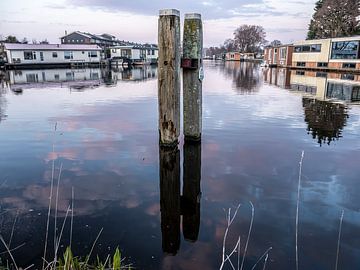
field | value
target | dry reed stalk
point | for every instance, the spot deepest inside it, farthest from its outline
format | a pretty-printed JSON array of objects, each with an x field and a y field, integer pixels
[{"x": 297, "y": 212}]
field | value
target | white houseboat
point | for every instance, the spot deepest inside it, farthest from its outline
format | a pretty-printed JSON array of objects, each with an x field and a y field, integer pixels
[
  {"x": 135, "y": 54},
  {"x": 56, "y": 55}
]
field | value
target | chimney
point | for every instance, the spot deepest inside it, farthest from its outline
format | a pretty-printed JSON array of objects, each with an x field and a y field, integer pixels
[{"x": 65, "y": 33}]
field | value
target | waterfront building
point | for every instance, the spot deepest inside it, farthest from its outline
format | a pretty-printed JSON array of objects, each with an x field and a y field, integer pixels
[
  {"x": 137, "y": 54},
  {"x": 332, "y": 54},
  {"x": 77, "y": 37},
  {"x": 50, "y": 54},
  {"x": 280, "y": 56},
  {"x": 238, "y": 56}
]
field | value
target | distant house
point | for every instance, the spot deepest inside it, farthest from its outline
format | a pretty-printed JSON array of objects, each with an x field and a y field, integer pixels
[
  {"x": 232, "y": 56},
  {"x": 77, "y": 37},
  {"x": 238, "y": 56},
  {"x": 50, "y": 54},
  {"x": 138, "y": 54}
]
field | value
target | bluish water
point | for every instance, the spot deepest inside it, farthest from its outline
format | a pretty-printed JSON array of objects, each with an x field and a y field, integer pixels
[{"x": 100, "y": 128}]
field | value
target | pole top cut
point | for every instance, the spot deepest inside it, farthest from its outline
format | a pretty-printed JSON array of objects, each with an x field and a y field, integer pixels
[
  {"x": 169, "y": 12},
  {"x": 193, "y": 16}
]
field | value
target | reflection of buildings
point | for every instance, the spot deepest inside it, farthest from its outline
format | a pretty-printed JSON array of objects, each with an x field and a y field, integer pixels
[
  {"x": 245, "y": 75},
  {"x": 325, "y": 120},
  {"x": 76, "y": 78},
  {"x": 143, "y": 73},
  {"x": 72, "y": 78},
  {"x": 172, "y": 205},
  {"x": 278, "y": 76},
  {"x": 322, "y": 85}
]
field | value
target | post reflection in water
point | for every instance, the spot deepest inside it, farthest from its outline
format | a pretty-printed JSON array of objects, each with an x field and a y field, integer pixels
[
  {"x": 325, "y": 120},
  {"x": 190, "y": 203},
  {"x": 170, "y": 199},
  {"x": 172, "y": 205}
]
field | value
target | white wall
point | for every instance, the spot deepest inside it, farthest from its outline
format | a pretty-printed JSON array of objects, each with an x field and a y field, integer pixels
[{"x": 78, "y": 56}]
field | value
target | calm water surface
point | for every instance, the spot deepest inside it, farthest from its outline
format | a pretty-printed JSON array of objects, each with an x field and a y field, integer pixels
[{"x": 167, "y": 209}]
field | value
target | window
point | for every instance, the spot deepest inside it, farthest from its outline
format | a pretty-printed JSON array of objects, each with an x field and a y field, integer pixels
[
  {"x": 114, "y": 50},
  {"x": 148, "y": 52},
  {"x": 339, "y": 91},
  {"x": 32, "y": 78},
  {"x": 232, "y": 56},
  {"x": 321, "y": 74},
  {"x": 308, "y": 48},
  {"x": 349, "y": 65},
  {"x": 68, "y": 55},
  {"x": 355, "y": 95},
  {"x": 29, "y": 55},
  {"x": 299, "y": 72},
  {"x": 283, "y": 53},
  {"x": 153, "y": 52},
  {"x": 300, "y": 64},
  {"x": 315, "y": 48},
  {"x": 54, "y": 55},
  {"x": 349, "y": 77},
  {"x": 69, "y": 76},
  {"x": 298, "y": 49},
  {"x": 92, "y": 54},
  {"x": 275, "y": 50},
  {"x": 345, "y": 50},
  {"x": 94, "y": 76},
  {"x": 322, "y": 64},
  {"x": 56, "y": 77}
]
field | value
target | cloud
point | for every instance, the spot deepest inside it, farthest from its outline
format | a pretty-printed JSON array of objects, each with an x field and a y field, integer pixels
[
  {"x": 210, "y": 9},
  {"x": 16, "y": 21}
]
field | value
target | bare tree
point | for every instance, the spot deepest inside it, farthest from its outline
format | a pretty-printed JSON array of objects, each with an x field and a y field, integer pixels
[
  {"x": 229, "y": 45},
  {"x": 275, "y": 43},
  {"x": 249, "y": 38}
]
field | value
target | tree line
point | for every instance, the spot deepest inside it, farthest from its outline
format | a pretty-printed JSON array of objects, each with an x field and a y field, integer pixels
[{"x": 14, "y": 39}]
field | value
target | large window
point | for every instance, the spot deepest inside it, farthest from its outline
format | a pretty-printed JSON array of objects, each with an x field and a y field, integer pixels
[
  {"x": 341, "y": 91},
  {"x": 282, "y": 53},
  {"x": 54, "y": 55},
  {"x": 92, "y": 54},
  {"x": 345, "y": 50},
  {"x": 308, "y": 48},
  {"x": 68, "y": 55},
  {"x": 29, "y": 55}
]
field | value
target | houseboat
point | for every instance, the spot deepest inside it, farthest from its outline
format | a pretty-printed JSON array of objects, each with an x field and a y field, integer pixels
[
  {"x": 134, "y": 54},
  {"x": 332, "y": 54},
  {"x": 238, "y": 56},
  {"x": 50, "y": 55},
  {"x": 278, "y": 56}
]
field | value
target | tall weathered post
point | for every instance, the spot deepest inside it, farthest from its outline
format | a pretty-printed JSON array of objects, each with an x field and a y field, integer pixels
[
  {"x": 169, "y": 76},
  {"x": 192, "y": 76}
]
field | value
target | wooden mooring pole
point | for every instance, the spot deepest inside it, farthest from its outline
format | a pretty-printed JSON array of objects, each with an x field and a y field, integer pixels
[
  {"x": 169, "y": 76},
  {"x": 192, "y": 76}
]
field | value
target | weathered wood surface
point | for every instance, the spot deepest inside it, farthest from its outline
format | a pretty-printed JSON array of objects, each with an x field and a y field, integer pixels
[
  {"x": 170, "y": 198},
  {"x": 169, "y": 76},
  {"x": 190, "y": 201},
  {"x": 192, "y": 81}
]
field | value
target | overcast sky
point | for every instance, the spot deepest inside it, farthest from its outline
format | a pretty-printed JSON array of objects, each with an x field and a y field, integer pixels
[{"x": 136, "y": 20}]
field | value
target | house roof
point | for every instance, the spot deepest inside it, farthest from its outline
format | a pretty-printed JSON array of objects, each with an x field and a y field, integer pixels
[{"x": 52, "y": 47}]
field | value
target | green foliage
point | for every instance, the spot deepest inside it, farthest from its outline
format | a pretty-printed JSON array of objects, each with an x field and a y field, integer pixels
[
  {"x": 69, "y": 262},
  {"x": 117, "y": 260}
]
